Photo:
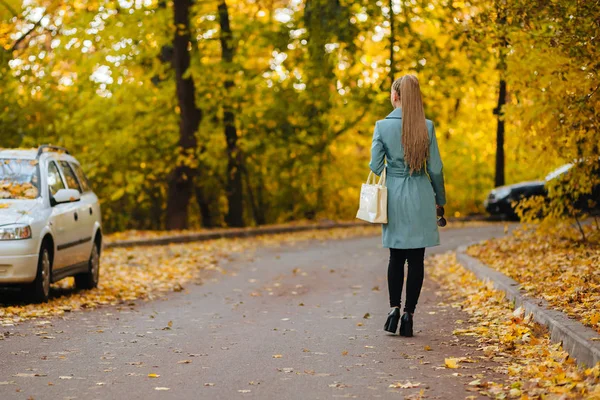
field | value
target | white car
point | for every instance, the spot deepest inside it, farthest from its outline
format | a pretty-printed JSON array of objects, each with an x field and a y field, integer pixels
[{"x": 50, "y": 226}]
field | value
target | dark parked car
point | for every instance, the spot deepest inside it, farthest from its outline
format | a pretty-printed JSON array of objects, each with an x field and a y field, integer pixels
[{"x": 499, "y": 200}]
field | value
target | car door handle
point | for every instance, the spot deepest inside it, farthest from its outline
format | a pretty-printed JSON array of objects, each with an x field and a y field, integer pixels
[
  {"x": 91, "y": 211},
  {"x": 76, "y": 216}
]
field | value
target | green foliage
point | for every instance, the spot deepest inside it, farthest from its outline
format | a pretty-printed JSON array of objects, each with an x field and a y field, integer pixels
[{"x": 310, "y": 79}]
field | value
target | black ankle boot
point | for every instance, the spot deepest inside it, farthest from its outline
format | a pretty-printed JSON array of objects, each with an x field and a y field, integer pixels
[
  {"x": 406, "y": 325},
  {"x": 392, "y": 320}
]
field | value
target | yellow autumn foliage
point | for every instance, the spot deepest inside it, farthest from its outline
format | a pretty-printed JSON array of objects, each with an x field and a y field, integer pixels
[{"x": 304, "y": 93}]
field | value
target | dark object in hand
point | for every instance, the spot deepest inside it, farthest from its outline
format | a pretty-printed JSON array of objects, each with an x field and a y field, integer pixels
[{"x": 441, "y": 221}]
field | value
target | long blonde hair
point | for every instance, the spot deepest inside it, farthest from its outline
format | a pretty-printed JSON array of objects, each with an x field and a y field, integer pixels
[{"x": 415, "y": 138}]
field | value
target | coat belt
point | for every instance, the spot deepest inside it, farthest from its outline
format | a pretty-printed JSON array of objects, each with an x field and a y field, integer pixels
[{"x": 403, "y": 174}]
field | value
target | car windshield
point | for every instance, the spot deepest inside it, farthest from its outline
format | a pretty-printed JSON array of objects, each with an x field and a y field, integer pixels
[
  {"x": 558, "y": 171},
  {"x": 19, "y": 179}
]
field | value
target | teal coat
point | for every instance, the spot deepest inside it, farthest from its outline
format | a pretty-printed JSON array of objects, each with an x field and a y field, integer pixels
[{"x": 412, "y": 221}]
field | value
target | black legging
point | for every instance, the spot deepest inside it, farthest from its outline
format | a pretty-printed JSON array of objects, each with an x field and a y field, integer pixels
[{"x": 414, "y": 280}]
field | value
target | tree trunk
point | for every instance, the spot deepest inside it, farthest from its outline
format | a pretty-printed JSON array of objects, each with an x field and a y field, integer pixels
[
  {"x": 499, "y": 111},
  {"x": 204, "y": 203},
  {"x": 392, "y": 40},
  {"x": 499, "y": 181},
  {"x": 235, "y": 214},
  {"x": 181, "y": 184},
  {"x": 257, "y": 209},
  {"x": 318, "y": 19},
  {"x": 261, "y": 217}
]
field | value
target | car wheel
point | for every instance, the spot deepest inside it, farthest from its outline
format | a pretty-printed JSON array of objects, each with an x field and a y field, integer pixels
[
  {"x": 39, "y": 290},
  {"x": 89, "y": 280}
]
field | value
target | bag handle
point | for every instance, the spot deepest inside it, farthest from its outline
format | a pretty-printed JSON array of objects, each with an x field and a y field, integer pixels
[
  {"x": 380, "y": 182},
  {"x": 382, "y": 178},
  {"x": 370, "y": 178}
]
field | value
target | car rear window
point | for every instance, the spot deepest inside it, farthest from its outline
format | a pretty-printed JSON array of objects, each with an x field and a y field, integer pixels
[
  {"x": 70, "y": 176},
  {"x": 85, "y": 184},
  {"x": 19, "y": 179}
]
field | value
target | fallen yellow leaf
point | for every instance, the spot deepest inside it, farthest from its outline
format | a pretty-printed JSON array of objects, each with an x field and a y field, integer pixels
[
  {"x": 407, "y": 385},
  {"x": 521, "y": 348},
  {"x": 451, "y": 362}
]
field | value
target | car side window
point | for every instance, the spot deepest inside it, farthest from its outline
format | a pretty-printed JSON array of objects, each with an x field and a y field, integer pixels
[
  {"x": 85, "y": 184},
  {"x": 55, "y": 182},
  {"x": 72, "y": 182}
]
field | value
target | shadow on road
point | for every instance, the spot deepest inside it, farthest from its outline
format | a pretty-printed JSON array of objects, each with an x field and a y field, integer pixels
[{"x": 16, "y": 296}]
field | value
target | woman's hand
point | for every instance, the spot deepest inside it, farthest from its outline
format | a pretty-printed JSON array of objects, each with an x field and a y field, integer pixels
[
  {"x": 441, "y": 221},
  {"x": 439, "y": 210}
]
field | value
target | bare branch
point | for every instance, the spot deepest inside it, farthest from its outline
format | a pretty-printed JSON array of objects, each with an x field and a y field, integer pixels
[
  {"x": 589, "y": 95},
  {"x": 23, "y": 37},
  {"x": 349, "y": 124},
  {"x": 580, "y": 229}
]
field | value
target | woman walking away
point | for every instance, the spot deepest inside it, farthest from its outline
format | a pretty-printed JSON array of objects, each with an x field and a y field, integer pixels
[{"x": 415, "y": 184}]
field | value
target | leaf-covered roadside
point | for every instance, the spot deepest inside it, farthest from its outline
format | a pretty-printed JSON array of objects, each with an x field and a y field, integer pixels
[
  {"x": 134, "y": 234},
  {"x": 552, "y": 266},
  {"x": 128, "y": 274},
  {"x": 535, "y": 368}
]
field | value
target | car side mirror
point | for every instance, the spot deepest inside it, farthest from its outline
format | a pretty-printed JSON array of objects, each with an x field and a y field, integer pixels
[{"x": 66, "y": 196}]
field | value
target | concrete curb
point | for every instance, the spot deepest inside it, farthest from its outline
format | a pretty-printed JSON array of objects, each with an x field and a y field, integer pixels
[
  {"x": 575, "y": 337},
  {"x": 230, "y": 233},
  {"x": 254, "y": 231}
]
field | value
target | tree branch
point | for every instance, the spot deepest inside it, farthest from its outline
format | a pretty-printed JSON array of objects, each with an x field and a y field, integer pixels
[
  {"x": 349, "y": 124},
  {"x": 590, "y": 95},
  {"x": 580, "y": 228},
  {"x": 23, "y": 37}
]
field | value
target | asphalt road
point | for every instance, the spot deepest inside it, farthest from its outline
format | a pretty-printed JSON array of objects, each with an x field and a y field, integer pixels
[{"x": 283, "y": 323}]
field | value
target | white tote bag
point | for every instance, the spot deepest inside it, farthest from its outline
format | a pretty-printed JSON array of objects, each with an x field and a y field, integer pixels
[{"x": 373, "y": 200}]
